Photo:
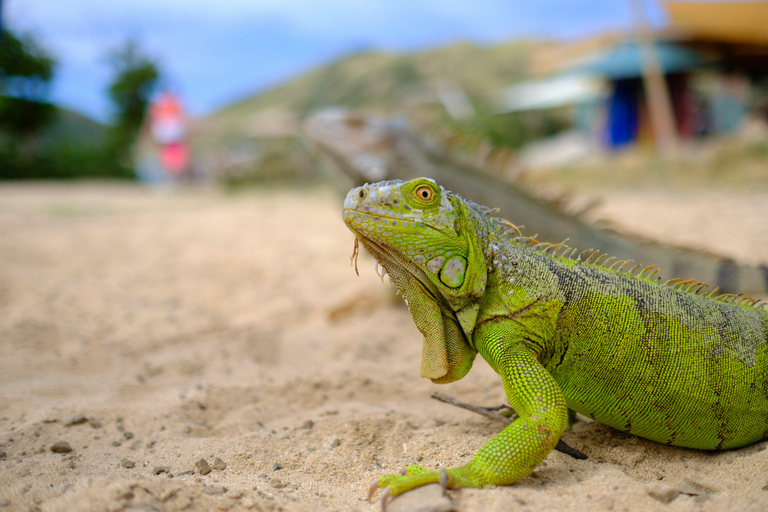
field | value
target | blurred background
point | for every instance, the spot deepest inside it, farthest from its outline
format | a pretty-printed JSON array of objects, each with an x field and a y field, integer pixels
[
  {"x": 175, "y": 280},
  {"x": 172, "y": 92}
]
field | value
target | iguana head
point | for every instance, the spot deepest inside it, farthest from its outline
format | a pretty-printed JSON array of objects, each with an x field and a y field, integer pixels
[{"x": 426, "y": 239}]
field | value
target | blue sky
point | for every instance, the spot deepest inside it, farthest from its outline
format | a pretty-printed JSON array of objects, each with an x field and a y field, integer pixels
[{"x": 216, "y": 51}]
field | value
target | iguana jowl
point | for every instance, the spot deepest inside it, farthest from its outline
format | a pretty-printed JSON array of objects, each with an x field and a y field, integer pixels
[{"x": 661, "y": 361}]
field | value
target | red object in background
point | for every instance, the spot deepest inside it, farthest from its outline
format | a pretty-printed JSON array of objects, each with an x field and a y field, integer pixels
[
  {"x": 174, "y": 157},
  {"x": 167, "y": 126}
]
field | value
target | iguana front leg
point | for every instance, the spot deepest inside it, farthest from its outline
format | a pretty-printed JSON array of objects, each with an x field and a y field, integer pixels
[{"x": 515, "y": 451}]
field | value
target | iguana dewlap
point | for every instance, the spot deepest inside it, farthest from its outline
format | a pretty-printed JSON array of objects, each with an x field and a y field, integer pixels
[{"x": 661, "y": 361}]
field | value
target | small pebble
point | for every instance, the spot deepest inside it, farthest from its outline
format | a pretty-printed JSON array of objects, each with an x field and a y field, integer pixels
[
  {"x": 94, "y": 423},
  {"x": 161, "y": 469},
  {"x": 77, "y": 419},
  {"x": 128, "y": 435},
  {"x": 662, "y": 493},
  {"x": 61, "y": 447},
  {"x": 202, "y": 467},
  {"x": 116, "y": 443},
  {"x": 276, "y": 467},
  {"x": 694, "y": 488},
  {"x": 127, "y": 463},
  {"x": 219, "y": 465},
  {"x": 213, "y": 489},
  {"x": 185, "y": 473},
  {"x": 335, "y": 443},
  {"x": 429, "y": 497},
  {"x": 307, "y": 425}
]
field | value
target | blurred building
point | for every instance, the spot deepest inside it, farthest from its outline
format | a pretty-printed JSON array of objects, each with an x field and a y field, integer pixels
[{"x": 713, "y": 57}]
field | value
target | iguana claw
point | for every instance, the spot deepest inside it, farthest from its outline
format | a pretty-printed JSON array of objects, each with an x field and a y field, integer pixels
[
  {"x": 372, "y": 490},
  {"x": 444, "y": 481},
  {"x": 384, "y": 500}
]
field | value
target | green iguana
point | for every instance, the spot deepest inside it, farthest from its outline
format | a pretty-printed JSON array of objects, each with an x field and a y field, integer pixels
[{"x": 564, "y": 332}]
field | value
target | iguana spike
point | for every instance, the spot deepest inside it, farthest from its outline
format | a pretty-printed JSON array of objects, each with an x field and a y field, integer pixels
[
  {"x": 583, "y": 253},
  {"x": 656, "y": 271},
  {"x": 701, "y": 287},
  {"x": 632, "y": 270},
  {"x": 688, "y": 290},
  {"x": 724, "y": 297},
  {"x": 513, "y": 226},
  {"x": 609, "y": 259},
  {"x": 562, "y": 246},
  {"x": 614, "y": 264},
  {"x": 646, "y": 269},
  {"x": 595, "y": 254},
  {"x": 680, "y": 285},
  {"x": 712, "y": 293},
  {"x": 672, "y": 281},
  {"x": 621, "y": 268}
]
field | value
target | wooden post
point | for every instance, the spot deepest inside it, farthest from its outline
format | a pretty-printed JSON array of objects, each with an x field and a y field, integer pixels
[{"x": 659, "y": 103}]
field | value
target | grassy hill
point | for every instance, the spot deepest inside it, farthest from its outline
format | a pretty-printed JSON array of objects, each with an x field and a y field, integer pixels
[
  {"x": 74, "y": 128},
  {"x": 377, "y": 82}
]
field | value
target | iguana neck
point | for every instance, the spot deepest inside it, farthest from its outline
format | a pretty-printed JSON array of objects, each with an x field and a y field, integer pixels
[{"x": 520, "y": 286}]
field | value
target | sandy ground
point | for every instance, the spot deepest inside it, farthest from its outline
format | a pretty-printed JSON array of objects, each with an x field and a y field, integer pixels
[{"x": 148, "y": 332}]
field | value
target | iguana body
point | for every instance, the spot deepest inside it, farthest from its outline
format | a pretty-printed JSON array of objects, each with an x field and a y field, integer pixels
[{"x": 661, "y": 362}]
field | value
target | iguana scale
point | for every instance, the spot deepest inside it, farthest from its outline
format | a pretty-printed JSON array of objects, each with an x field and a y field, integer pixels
[{"x": 564, "y": 331}]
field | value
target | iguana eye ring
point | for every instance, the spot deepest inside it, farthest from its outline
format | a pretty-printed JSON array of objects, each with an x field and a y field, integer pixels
[{"x": 425, "y": 193}]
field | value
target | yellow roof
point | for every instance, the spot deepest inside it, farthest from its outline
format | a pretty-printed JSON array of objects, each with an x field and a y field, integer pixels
[{"x": 733, "y": 21}]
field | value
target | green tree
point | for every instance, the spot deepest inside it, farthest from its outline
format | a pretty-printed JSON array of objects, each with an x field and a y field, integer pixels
[
  {"x": 26, "y": 71},
  {"x": 135, "y": 78}
]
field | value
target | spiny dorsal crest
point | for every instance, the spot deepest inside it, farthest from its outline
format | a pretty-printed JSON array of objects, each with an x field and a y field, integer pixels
[{"x": 595, "y": 258}]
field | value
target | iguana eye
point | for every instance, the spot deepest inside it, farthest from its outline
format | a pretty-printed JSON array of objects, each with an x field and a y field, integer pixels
[{"x": 424, "y": 193}]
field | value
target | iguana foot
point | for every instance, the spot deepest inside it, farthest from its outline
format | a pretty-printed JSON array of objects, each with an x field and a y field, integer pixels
[{"x": 416, "y": 476}]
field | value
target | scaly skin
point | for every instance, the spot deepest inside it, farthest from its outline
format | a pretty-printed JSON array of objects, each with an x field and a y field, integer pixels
[{"x": 647, "y": 358}]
